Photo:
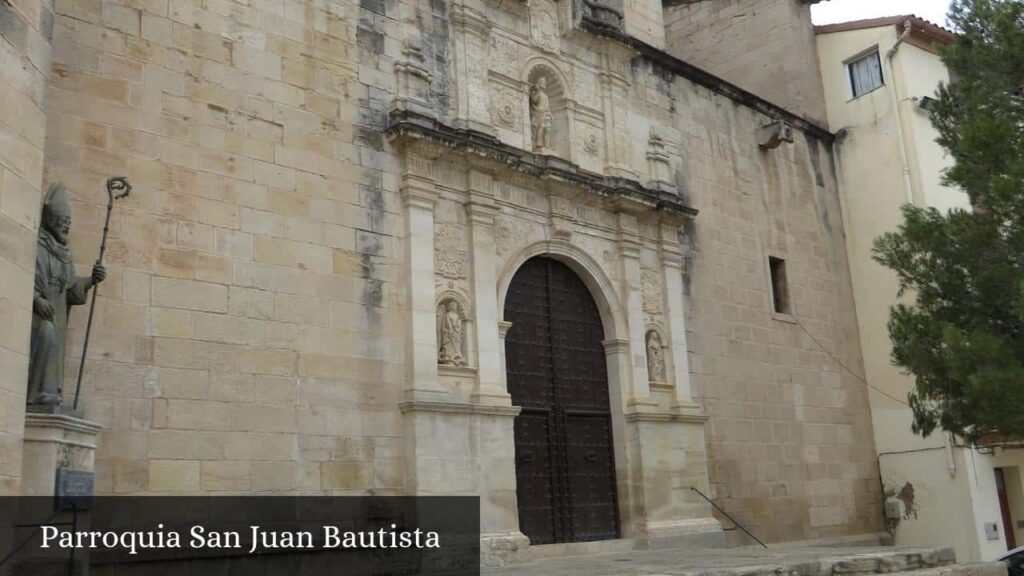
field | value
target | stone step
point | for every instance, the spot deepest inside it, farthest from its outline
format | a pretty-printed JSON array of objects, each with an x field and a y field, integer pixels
[
  {"x": 977, "y": 569},
  {"x": 743, "y": 561}
]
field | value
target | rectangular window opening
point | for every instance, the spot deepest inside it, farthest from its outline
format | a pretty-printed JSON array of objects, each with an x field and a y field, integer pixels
[
  {"x": 780, "y": 288},
  {"x": 865, "y": 74}
]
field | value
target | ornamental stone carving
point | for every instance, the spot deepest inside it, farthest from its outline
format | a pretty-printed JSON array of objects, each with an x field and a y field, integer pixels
[
  {"x": 651, "y": 286},
  {"x": 449, "y": 251},
  {"x": 544, "y": 25},
  {"x": 504, "y": 55},
  {"x": 510, "y": 234},
  {"x": 506, "y": 109},
  {"x": 591, "y": 143}
]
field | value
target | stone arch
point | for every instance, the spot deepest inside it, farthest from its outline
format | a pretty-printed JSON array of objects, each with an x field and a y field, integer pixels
[
  {"x": 586, "y": 267},
  {"x": 559, "y": 97},
  {"x": 616, "y": 344}
]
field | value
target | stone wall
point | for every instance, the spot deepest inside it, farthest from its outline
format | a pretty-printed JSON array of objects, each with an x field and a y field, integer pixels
[
  {"x": 764, "y": 46},
  {"x": 25, "y": 30},
  {"x": 789, "y": 435},
  {"x": 246, "y": 339}
]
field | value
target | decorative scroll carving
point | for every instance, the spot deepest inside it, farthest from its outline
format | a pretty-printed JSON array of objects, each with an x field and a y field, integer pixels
[
  {"x": 651, "y": 286},
  {"x": 450, "y": 252},
  {"x": 504, "y": 55},
  {"x": 544, "y": 25},
  {"x": 506, "y": 109},
  {"x": 509, "y": 234},
  {"x": 591, "y": 143}
]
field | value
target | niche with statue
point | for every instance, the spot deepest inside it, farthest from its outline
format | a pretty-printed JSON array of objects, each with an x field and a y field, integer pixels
[
  {"x": 549, "y": 108},
  {"x": 453, "y": 332}
]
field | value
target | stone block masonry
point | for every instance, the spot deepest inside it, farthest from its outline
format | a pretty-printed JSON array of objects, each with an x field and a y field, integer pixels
[
  {"x": 247, "y": 339},
  {"x": 26, "y": 27}
]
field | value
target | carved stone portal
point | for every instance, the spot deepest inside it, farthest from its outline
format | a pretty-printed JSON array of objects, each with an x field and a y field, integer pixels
[{"x": 451, "y": 321}]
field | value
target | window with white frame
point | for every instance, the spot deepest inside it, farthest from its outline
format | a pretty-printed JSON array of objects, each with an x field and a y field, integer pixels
[{"x": 865, "y": 73}]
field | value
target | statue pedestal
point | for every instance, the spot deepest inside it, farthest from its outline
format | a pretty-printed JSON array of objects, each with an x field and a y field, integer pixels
[
  {"x": 58, "y": 460},
  {"x": 55, "y": 441}
]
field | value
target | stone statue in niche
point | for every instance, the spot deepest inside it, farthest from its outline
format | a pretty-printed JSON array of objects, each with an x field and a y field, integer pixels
[
  {"x": 57, "y": 289},
  {"x": 655, "y": 358},
  {"x": 450, "y": 352},
  {"x": 540, "y": 115}
]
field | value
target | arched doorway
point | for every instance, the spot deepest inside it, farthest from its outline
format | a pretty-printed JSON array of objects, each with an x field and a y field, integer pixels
[{"x": 557, "y": 373}]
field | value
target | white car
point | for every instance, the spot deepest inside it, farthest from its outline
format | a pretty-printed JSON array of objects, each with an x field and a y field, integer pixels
[{"x": 1014, "y": 560}]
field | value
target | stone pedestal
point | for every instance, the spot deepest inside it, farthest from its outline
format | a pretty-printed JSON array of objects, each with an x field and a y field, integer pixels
[
  {"x": 58, "y": 448},
  {"x": 55, "y": 441}
]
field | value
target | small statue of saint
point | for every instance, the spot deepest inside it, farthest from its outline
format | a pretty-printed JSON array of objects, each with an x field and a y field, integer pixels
[
  {"x": 655, "y": 358},
  {"x": 56, "y": 290},
  {"x": 451, "y": 336},
  {"x": 540, "y": 115}
]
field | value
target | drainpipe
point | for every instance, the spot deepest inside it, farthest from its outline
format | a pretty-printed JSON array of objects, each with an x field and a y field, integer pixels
[{"x": 907, "y": 187}]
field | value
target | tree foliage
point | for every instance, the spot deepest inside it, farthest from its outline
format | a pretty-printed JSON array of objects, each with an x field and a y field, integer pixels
[{"x": 963, "y": 335}]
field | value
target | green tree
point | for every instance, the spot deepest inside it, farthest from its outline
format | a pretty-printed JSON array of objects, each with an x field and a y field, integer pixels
[{"x": 963, "y": 335}]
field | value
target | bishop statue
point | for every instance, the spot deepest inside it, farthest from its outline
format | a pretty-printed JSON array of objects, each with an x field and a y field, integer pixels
[{"x": 56, "y": 290}]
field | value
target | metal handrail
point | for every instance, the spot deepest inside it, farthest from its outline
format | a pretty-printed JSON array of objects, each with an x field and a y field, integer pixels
[{"x": 727, "y": 515}]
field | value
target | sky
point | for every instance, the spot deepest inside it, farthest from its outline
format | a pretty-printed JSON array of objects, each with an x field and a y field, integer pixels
[{"x": 832, "y": 11}]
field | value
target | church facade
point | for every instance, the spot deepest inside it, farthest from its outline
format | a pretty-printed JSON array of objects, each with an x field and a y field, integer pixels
[{"x": 508, "y": 249}]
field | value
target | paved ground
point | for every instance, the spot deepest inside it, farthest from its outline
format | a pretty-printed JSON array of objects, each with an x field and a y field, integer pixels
[{"x": 744, "y": 560}]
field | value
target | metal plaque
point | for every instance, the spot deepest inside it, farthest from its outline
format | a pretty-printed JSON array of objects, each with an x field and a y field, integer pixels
[{"x": 74, "y": 488}]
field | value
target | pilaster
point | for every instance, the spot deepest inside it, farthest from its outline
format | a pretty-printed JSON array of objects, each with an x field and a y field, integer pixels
[
  {"x": 675, "y": 316},
  {"x": 419, "y": 196},
  {"x": 629, "y": 250},
  {"x": 471, "y": 30},
  {"x": 614, "y": 87},
  {"x": 481, "y": 210}
]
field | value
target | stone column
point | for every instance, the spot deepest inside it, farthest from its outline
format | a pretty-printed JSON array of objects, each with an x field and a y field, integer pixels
[
  {"x": 675, "y": 317},
  {"x": 629, "y": 249},
  {"x": 481, "y": 209},
  {"x": 471, "y": 31},
  {"x": 614, "y": 86}
]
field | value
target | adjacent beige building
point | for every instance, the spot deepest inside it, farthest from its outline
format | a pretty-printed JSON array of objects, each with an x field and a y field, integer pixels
[
  {"x": 321, "y": 282},
  {"x": 877, "y": 77}
]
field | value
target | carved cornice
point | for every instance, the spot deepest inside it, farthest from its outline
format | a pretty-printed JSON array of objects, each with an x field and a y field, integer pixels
[
  {"x": 409, "y": 127},
  {"x": 459, "y": 408},
  {"x": 465, "y": 18},
  {"x": 598, "y": 15},
  {"x": 701, "y": 77}
]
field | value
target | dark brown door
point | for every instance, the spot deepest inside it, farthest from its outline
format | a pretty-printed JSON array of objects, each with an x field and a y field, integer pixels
[
  {"x": 557, "y": 373},
  {"x": 1004, "y": 508}
]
